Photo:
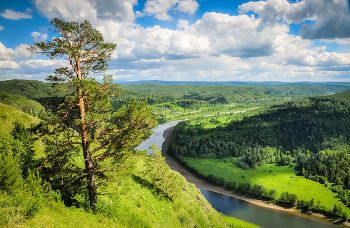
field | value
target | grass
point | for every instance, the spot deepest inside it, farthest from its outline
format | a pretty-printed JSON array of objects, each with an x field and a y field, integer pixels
[
  {"x": 131, "y": 204},
  {"x": 8, "y": 115},
  {"x": 170, "y": 112},
  {"x": 280, "y": 178},
  {"x": 124, "y": 202}
]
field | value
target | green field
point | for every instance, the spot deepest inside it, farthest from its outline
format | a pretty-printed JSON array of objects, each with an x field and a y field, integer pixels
[{"x": 280, "y": 178}]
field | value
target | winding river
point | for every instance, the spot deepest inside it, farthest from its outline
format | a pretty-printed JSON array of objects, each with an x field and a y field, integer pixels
[{"x": 241, "y": 209}]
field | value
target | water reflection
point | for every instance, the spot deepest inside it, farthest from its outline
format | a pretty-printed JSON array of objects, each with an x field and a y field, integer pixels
[
  {"x": 240, "y": 209},
  {"x": 156, "y": 137}
]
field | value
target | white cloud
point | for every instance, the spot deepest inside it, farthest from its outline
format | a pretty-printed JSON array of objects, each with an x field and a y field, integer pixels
[
  {"x": 92, "y": 10},
  {"x": 160, "y": 8},
  {"x": 21, "y": 51},
  {"x": 118, "y": 10},
  {"x": 1, "y": 28},
  {"x": 38, "y": 36},
  {"x": 216, "y": 47},
  {"x": 331, "y": 18},
  {"x": 6, "y": 53},
  {"x": 14, "y": 15},
  {"x": 187, "y": 6},
  {"x": 9, "y": 55},
  {"x": 8, "y": 65}
]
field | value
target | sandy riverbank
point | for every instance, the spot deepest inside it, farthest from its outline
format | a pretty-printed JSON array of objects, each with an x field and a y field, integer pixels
[{"x": 203, "y": 184}]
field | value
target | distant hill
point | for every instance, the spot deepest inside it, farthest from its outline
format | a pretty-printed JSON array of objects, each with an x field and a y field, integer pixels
[
  {"x": 160, "y": 82},
  {"x": 31, "y": 89},
  {"x": 187, "y": 94},
  {"x": 26, "y": 105}
]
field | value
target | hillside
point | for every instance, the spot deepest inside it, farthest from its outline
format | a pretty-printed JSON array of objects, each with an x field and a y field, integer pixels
[
  {"x": 9, "y": 114},
  {"x": 181, "y": 101},
  {"x": 131, "y": 198},
  {"x": 31, "y": 89},
  {"x": 26, "y": 105},
  {"x": 310, "y": 135}
]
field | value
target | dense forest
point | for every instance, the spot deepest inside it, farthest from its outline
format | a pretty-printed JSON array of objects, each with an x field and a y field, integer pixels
[
  {"x": 308, "y": 134},
  {"x": 180, "y": 101},
  {"x": 78, "y": 166},
  {"x": 311, "y": 134}
]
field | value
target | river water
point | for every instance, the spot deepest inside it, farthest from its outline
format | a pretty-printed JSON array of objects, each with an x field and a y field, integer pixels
[{"x": 243, "y": 210}]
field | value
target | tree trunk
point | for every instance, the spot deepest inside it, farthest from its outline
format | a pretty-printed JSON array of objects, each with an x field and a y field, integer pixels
[
  {"x": 89, "y": 169},
  {"x": 90, "y": 176}
]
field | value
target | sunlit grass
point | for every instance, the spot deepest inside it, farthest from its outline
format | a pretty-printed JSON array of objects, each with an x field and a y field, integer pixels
[{"x": 280, "y": 178}]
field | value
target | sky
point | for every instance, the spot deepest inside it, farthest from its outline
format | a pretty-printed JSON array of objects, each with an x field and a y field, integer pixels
[{"x": 189, "y": 40}]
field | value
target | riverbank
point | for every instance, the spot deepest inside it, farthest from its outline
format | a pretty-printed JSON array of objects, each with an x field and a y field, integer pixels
[{"x": 205, "y": 185}]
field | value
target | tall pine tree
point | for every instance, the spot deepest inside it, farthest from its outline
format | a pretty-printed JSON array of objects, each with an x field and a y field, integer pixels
[{"x": 83, "y": 117}]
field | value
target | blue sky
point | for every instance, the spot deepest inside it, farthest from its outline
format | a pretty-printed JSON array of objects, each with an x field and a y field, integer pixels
[{"x": 192, "y": 40}]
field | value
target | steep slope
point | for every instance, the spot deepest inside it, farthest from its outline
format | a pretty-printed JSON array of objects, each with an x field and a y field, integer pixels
[{"x": 129, "y": 199}]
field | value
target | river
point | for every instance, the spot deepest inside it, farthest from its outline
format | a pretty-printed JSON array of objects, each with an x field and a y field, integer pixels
[{"x": 241, "y": 209}]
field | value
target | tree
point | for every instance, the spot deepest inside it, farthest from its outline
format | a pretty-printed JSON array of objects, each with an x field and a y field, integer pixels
[
  {"x": 83, "y": 118},
  {"x": 23, "y": 148},
  {"x": 159, "y": 176}
]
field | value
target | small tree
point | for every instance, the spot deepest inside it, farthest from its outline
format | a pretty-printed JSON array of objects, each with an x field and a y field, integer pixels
[{"x": 83, "y": 117}]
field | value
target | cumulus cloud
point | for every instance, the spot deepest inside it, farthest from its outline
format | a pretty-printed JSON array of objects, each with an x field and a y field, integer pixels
[
  {"x": 20, "y": 51},
  {"x": 38, "y": 36},
  {"x": 80, "y": 10},
  {"x": 14, "y": 15},
  {"x": 160, "y": 8},
  {"x": 8, "y": 65},
  {"x": 1, "y": 28},
  {"x": 118, "y": 10},
  {"x": 216, "y": 47},
  {"x": 330, "y": 17},
  {"x": 6, "y": 53},
  {"x": 69, "y": 10}
]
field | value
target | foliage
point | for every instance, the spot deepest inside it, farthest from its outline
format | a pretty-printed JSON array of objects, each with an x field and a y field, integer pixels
[
  {"x": 85, "y": 108},
  {"x": 23, "y": 148},
  {"x": 310, "y": 132},
  {"x": 274, "y": 182},
  {"x": 23, "y": 104},
  {"x": 10, "y": 173},
  {"x": 159, "y": 175},
  {"x": 38, "y": 91}
]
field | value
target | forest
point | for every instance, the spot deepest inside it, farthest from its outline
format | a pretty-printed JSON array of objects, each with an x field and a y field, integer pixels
[
  {"x": 68, "y": 158},
  {"x": 181, "y": 101},
  {"x": 310, "y": 135}
]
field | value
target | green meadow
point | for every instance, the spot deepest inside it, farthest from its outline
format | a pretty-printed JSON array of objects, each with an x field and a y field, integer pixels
[{"x": 271, "y": 177}]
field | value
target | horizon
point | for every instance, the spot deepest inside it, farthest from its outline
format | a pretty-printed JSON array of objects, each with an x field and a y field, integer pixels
[{"x": 190, "y": 40}]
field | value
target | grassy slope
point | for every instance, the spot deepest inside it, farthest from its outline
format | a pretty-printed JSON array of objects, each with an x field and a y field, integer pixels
[
  {"x": 9, "y": 114},
  {"x": 21, "y": 103},
  {"x": 129, "y": 204},
  {"x": 281, "y": 178}
]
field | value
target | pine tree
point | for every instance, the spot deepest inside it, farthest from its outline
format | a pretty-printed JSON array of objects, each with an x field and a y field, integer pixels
[
  {"x": 83, "y": 117},
  {"x": 10, "y": 173}
]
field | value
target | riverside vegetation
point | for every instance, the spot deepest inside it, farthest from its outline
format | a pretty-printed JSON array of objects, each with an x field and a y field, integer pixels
[
  {"x": 131, "y": 194},
  {"x": 70, "y": 204},
  {"x": 45, "y": 180},
  {"x": 132, "y": 197},
  {"x": 296, "y": 153}
]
